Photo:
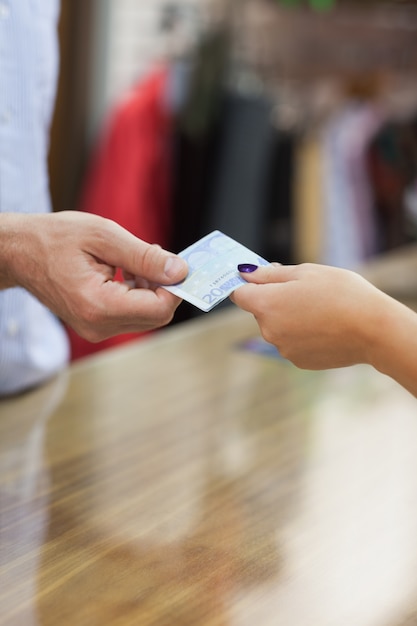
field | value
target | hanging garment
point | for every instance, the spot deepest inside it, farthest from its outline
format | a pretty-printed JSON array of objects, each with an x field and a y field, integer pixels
[
  {"x": 392, "y": 167},
  {"x": 239, "y": 196},
  {"x": 198, "y": 126},
  {"x": 129, "y": 177},
  {"x": 198, "y": 114},
  {"x": 308, "y": 199},
  {"x": 278, "y": 223},
  {"x": 350, "y": 234}
]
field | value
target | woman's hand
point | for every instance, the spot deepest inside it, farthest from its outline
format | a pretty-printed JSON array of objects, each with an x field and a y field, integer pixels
[{"x": 322, "y": 317}]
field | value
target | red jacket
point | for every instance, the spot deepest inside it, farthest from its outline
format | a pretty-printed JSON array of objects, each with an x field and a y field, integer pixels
[{"x": 128, "y": 179}]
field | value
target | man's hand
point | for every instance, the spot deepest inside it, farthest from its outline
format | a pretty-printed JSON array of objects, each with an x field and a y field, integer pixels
[{"x": 68, "y": 260}]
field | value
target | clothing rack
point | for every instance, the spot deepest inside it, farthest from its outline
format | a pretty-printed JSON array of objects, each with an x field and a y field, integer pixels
[
  {"x": 308, "y": 61},
  {"x": 306, "y": 66},
  {"x": 303, "y": 44},
  {"x": 299, "y": 44}
]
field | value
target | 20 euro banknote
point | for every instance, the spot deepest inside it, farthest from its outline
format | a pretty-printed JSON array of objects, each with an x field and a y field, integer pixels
[{"x": 213, "y": 273}]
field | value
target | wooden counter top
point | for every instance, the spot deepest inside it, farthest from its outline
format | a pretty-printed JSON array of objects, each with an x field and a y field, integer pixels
[{"x": 187, "y": 481}]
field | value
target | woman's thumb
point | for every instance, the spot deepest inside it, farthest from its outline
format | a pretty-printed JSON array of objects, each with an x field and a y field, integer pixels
[{"x": 272, "y": 273}]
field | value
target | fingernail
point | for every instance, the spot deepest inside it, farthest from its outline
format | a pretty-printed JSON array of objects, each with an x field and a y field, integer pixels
[
  {"x": 174, "y": 267},
  {"x": 247, "y": 268}
]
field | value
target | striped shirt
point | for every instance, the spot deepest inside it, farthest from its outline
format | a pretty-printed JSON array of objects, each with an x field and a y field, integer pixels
[{"x": 33, "y": 343}]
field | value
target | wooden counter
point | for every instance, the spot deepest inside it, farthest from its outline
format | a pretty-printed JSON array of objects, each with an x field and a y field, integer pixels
[{"x": 186, "y": 480}]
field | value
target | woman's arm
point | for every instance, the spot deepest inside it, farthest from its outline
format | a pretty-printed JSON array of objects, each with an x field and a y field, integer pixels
[{"x": 322, "y": 317}]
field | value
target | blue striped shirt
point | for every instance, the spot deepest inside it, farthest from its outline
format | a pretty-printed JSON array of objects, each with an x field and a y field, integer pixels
[{"x": 33, "y": 343}]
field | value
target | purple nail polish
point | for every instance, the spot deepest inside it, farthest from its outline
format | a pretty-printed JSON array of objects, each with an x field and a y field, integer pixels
[{"x": 247, "y": 268}]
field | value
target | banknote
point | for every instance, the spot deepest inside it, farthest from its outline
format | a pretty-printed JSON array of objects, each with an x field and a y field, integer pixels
[{"x": 213, "y": 273}]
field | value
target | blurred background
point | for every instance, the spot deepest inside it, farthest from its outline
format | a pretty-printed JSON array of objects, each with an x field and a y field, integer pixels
[{"x": 291, "y": 125}]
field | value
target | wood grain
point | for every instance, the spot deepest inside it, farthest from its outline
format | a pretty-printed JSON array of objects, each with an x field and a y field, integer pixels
[{"x": 184, "y": 480}]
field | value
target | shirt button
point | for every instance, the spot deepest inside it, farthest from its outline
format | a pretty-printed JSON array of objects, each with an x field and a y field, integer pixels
[
  {"x": 12, "y": 328},
  {"x": 4, "y": 10}
]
